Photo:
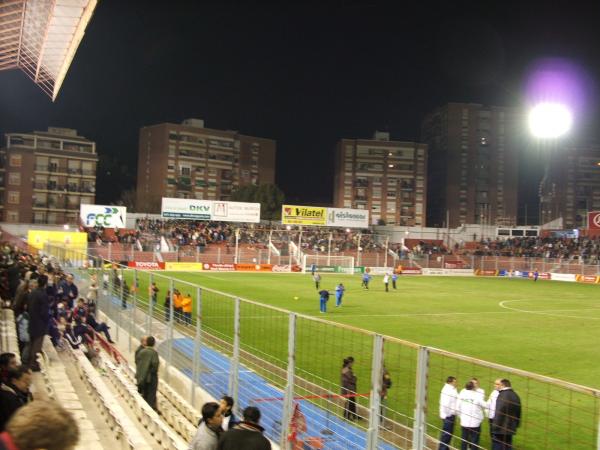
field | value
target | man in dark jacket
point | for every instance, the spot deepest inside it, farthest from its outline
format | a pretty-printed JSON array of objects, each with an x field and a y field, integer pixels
[
  {"x": 146, "y": 371},
  {"x": 247, "y": 434},
  {"x": 507, "y": 417},
  {"x": 14, "y": 393},
  {"x": 39, "y": 318}
]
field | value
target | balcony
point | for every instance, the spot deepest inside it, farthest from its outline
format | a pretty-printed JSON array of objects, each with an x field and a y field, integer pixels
[{"x": 71, "y": 188}]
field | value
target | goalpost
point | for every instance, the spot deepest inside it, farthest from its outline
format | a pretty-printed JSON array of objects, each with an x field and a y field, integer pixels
[{"x": 326, "y": 263}]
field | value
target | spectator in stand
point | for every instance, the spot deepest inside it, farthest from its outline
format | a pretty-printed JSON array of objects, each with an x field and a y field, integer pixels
[
  {"x": 126, "y": 293},
  {"x": 7, "y": 361},
  {"x": 67, "y": 290},
  {"x": 39, "y": 318},
  {"x": 14, "y": 393},
  {"x": 386, "y": 384},
  {"x": 229, "y": 419},
  {"x": 209, "y": 430},
  {"x": 40, "y": 425},
  {"x": 21, "y": 295},
  {"x": 247, "y": 435},
  {"x": 92, "y": 295},
  {"x": 139, "y": 349},
  {"x": 146, "y": 373},
  {"x": 23, "y": 337},
  {"x": 99, "y": 327},
  {"x": 80, "y": 310},
  {"x": 491, "y": 403}
]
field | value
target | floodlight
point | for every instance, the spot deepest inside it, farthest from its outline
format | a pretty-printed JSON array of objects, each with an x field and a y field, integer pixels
[{"x": 550, "y": 120}]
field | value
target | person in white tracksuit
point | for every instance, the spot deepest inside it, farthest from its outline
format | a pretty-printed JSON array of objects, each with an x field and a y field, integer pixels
[{"x": 471, "y": 407}]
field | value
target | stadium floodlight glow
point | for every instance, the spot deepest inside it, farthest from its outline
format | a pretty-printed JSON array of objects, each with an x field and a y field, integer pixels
[{"x": 549, "y": 120}]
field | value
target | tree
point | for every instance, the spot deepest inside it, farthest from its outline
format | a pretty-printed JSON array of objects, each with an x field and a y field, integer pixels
[{"x": 269, "y": 196}]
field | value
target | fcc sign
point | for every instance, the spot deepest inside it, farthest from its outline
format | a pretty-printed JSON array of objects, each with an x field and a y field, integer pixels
[
  {"x": 103, "y": 216},
  {"x": 594, "y": 220}
]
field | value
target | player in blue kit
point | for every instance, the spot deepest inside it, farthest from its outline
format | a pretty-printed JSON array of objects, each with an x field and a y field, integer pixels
[
  {"x": 339, "y": 293},
  {"x": 365, "y": 280}
]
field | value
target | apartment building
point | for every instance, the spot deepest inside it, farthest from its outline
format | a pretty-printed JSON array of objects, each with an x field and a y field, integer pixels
[
  {"x": 386, "y": 177},
  {"x": 473, "y": 164},
  {"x": 188, "y": 160},
  {"x": 572, "y": 186},
  {"x": 46, "y": 175}
]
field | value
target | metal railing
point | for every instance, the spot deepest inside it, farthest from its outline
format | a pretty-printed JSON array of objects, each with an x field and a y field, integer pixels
[{"x": 281, "y": 361}]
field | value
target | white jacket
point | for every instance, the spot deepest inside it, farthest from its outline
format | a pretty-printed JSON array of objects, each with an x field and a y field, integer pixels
[
  {"x": 448, "y": 401},
  {"x": 491, "y": 409},
  {"x": 470, "y": 408}
]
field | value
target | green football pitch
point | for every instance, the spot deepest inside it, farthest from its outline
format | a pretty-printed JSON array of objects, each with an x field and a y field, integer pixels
[{"x": 550, "y": 328}]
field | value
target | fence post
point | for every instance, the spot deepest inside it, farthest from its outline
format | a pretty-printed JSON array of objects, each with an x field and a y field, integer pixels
[
  {"x": 150, "y": 304},
  {"x": 170, "y": 331},
  {"x": 375, "y": 400},
  {"x": 197, "y": 346},
  {"x": 288, "y": 397},
  {"x": 110, "y": 251},
  {"x": 234, "y": 368},
  {"x": 122, "y": 293},
  {"x": 132, "y": 309},
  {"x": 420, "y": 424}
]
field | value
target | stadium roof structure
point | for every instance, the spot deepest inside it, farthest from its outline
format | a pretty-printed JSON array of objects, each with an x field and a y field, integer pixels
[{"x": 40, "y": 37}]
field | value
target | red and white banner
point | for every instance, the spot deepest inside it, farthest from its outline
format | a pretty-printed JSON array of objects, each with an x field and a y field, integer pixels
[
  {"x": 594, "y": 220},
  {"x": 254, "y": 267},
  {"x": 281, "y": 268},
  {"x": 146, "y": 265},
  {"x": 458, "y": 264},
  {"x": 218, "y": 267}
]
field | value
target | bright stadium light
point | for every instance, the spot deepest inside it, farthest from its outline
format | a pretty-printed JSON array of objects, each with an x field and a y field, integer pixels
[{"x": 550, "y": 120}]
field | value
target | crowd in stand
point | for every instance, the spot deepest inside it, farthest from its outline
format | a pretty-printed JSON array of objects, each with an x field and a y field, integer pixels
[{"x": 587, "y": 249}]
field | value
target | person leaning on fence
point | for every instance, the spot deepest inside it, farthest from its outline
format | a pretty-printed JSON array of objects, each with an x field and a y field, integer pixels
[
  {"x": 386, "y": 384},
  {"x": 491, "y": 403},
  {"x": 448, "y": 411},
  {"x": 348, "y": 383},
  {"x": 186, "y": 307},
  {"x": 177, "y": 310},
  {"x": 167, "y": 307},
  {"x": 146, "y": 372},
  {"x": 229, "y": 418},
  {"x": 471, "y": 407},
  {"x": 507, "y": 417},
  {"x": 209, "y": 429},
  {"x": 247, "y": 435}
]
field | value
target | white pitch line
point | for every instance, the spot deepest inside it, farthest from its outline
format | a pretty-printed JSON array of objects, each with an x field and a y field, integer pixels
[{"x": 502, "y": 304}]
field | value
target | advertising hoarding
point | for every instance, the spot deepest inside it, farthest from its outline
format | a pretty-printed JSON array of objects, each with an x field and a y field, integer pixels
[
  {"x": 303, "y": 215},
  {"x": 192, "y": 209},
  {"x": 103, "y": 216},
  {"x": 347, "y": 218},
  {"x": 321, "y": 216}
]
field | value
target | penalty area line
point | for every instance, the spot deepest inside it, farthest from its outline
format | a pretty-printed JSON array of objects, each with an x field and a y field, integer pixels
[{"x": 549, "y": 312}]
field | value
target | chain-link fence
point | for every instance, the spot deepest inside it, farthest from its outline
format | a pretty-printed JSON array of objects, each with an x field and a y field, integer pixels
[{"x": 337, "y": 387}]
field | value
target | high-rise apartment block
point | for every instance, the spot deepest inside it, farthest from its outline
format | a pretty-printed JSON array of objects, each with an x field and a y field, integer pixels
[
  {"x": 189, "y": 161},
  {"x": 473, "y": 164},
  {"x": 571, "y": 188},
  {"x": 46, "y": 175},
  {"x": 386, "y": 177}
]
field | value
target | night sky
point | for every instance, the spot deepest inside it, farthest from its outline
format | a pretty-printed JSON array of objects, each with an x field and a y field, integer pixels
[{"x": 304, "y": 74}]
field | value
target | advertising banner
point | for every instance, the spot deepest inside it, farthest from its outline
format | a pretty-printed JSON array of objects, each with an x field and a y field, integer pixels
[
  {"x": 218, "y": 267},
  {"x": 347, "y": 218},
  {"x": 103, "y": 216},
  {"x": 146, "y": 265},
  {"x": 253, "y": 267},
  {"x": 303, "y": 215},
  {"x": 73, "y": 240},
  {"x": 412, "y": 271},
  {"x": 184, "y": 266},
  {"x": 448, "y": 272},
  {"x": 486, "y": 273},
  {"x": 457, "y": 264},
  {"x": 588, "y": 279},
  {"x": 594, "y": 220},
  {"x": 192, "y": 209},
  {"x": 379, "y": 270},
  {"x": 563, "y": 276}
]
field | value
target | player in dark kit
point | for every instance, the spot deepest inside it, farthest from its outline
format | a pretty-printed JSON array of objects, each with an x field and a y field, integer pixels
[{"x": 324, "y": 298}]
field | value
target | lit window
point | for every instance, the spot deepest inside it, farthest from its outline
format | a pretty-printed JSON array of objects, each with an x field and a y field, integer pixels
[
  {"x": 13, "y": 197},
  {"x": 15, "y": 160},
  {"x": 14, "y": 179}
]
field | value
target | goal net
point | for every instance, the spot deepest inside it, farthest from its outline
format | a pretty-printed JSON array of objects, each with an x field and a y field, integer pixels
[{"x": 325, "y": 263}]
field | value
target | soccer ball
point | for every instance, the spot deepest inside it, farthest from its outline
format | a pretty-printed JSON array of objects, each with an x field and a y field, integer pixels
[{"x": 296, "y": 298}]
